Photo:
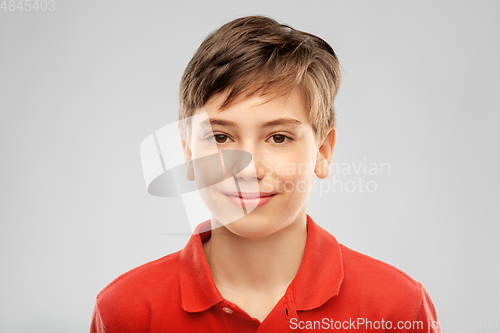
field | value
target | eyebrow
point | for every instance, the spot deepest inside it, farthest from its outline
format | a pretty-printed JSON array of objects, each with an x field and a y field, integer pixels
[
  {"x": 283, "y": 121},
  {"x": 221, "y": 122},
  {"x": 275, "y": 122}
]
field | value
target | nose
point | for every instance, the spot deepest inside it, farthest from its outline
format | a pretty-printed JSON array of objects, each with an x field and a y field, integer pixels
[{"x": 254, "y": 169}]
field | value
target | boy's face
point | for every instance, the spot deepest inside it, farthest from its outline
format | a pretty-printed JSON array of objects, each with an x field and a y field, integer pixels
[{"x": 271, "y": 192}]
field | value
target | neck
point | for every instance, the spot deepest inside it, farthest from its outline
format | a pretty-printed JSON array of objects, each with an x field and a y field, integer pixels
[{"x": 256, "y": 265}]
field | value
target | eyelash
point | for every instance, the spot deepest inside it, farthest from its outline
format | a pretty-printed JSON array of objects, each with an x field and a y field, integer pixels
[{"x": 287, "y": 139}]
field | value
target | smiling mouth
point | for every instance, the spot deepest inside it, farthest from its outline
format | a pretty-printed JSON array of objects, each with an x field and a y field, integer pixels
[
  {"x": 249, "y": 200},
  {"x": 249, "y": 196}
]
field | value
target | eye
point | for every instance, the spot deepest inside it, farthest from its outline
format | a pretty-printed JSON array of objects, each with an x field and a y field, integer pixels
[
  {"x": 280, "y": 139},
  {"x": 218, "y": 138}
]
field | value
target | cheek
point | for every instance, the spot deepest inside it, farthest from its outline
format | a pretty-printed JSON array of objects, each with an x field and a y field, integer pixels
[
  {"x": 208, "y": 168},
  {"x": 294, "y": 178}
]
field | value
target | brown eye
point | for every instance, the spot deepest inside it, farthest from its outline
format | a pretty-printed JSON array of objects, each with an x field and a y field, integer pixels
[
  {"x": 278, "y": 138},
  {"x": 220, "y": 138}
]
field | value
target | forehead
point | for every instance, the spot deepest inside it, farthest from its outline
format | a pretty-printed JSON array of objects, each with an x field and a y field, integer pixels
[{"x": 258, "y": 108}]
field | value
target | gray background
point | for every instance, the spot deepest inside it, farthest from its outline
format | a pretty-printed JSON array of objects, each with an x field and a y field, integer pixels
[{"x": 83, "y": 85}]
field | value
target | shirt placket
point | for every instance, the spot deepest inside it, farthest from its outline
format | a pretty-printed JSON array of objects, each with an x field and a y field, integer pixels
[
  {"x": 235, "y": 319},
  {"x": 279, "y": 318}
]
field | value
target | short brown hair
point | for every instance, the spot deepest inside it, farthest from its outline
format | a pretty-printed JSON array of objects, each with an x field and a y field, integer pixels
[{"x": 256, "y": 54}]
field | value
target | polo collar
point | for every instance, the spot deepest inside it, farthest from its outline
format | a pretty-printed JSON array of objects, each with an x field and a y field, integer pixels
[{"x": 318, "y": 279}]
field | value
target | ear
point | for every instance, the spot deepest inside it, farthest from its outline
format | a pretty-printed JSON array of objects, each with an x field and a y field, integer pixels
[
  {"x": 188, "y": 156},
  {"x": 325, "y": 154}
]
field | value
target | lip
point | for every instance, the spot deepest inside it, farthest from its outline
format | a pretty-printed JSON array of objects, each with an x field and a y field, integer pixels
[
  {"x": 249, "y": 199},
  {"x": 251, "y": 194}
]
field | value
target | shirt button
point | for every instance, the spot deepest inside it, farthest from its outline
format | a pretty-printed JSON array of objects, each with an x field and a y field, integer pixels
[{"x": 227, "y": 310}]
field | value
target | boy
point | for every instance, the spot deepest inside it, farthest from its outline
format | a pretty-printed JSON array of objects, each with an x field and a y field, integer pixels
[{"x": 261, "y": 264}]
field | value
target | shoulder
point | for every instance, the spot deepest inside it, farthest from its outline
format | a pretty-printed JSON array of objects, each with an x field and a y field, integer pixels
[
  {"x": 396, "y": 295},
  {"x": 374, "y": 278},
  {"x": 142, "y": 277},
  {"x": 130, "y": 297}
]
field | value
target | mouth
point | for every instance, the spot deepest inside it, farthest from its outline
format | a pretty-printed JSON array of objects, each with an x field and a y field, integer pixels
[
  {"x": 248, "y": 195},
  {"x": 249, "y": 200}
]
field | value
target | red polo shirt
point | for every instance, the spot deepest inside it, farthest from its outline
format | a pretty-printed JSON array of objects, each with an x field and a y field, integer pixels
[{"x": 335, "y": 288}]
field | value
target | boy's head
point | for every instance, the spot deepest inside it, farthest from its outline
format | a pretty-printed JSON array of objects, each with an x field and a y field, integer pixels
[
  {"x": 258, "y": 86},
  {"x": 257, "y": 55}
]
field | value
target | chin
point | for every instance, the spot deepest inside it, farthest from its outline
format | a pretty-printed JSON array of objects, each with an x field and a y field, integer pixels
[
  {"x": 251, "y": 227},
  {"x": 255, "y": 225}
]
